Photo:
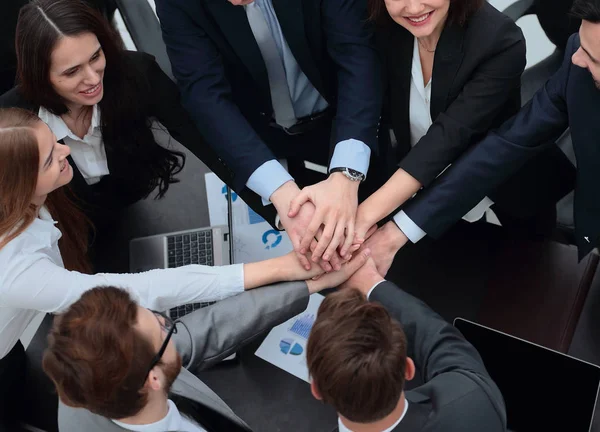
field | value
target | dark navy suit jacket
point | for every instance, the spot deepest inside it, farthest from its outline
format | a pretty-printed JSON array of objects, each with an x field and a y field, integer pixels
[
  {"x": 224, "y": 83},
  {"x": 569, "y": 99}
]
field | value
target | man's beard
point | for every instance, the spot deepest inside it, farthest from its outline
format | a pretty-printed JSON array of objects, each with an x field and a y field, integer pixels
[{"x": 171, "y": 371}]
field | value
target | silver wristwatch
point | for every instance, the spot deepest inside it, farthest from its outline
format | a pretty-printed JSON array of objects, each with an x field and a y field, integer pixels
[{"x": 349, "y": 173}]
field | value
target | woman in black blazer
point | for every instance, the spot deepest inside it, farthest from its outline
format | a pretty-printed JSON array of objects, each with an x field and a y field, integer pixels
[
  {"x": 101, "y": 101},
  {"x": 453, "y": 71}
]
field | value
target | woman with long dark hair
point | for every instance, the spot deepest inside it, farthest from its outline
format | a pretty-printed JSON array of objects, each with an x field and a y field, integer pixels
[
  {"x": 101, "y": 101},
  {"x": 43, "y": 241}
]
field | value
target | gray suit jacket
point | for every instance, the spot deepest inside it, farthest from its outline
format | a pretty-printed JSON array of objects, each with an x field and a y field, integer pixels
[
  {"x": 458, "y": 394},
  {"x": 204, "y": 338}
]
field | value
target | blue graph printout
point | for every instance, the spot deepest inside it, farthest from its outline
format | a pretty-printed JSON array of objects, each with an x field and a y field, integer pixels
[{"x": 303, "y": 325}]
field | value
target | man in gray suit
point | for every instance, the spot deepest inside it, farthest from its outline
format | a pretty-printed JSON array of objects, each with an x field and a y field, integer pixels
[
  {"x": 118, "y": 366},
  {"x": 359, "y": 358}
]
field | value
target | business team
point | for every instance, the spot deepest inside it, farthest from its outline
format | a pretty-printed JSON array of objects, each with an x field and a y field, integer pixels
[{"x": 262, "y": 80}]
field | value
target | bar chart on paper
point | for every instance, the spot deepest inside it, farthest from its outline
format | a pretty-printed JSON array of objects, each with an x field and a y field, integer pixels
[
  {"x": 285, "y": 345},
  {"x": 303, "y": 325}
]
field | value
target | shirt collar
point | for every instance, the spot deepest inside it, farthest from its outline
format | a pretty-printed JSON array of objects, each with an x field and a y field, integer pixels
[
  {"x": 44, "y": 228},
  {"x": 343, "y": 428},
  {"x": 60, "y": 128}
]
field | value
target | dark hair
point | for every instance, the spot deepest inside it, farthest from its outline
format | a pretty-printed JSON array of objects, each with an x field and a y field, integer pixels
[
  {"x": 19, "y": 167},
  {"x": 458, "y": 13},
  {"x": 125, "y": 121},
  {"x": 588, "y": 10},
  {"x": 96, "y": 357},
  {"x": 356, "y": 356}
]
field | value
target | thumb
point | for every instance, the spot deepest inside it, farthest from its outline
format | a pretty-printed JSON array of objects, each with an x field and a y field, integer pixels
[
  {"x": 358, "y": 261},
  {"x": 297, "y": 202}
]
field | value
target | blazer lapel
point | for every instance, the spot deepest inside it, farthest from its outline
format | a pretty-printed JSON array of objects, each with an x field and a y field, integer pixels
[
  {"x": 447, "y": 60},
  {"x": 234, "y": 25},
  {"x": 291, "y": 19},
  {"x": 399, "y": 51}
]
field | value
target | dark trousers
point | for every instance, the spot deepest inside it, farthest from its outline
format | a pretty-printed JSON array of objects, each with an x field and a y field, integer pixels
[{"x": 12, "y": 386}]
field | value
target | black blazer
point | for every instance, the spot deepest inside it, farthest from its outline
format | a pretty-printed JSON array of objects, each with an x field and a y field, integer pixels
[
  {"x": 121, "y": 187},
  {"x": 458, "y": 394},
  {"x": 569, "y": 99},
  {"x": 224, "y": 82},
  {"x": 476, "y": 83}
]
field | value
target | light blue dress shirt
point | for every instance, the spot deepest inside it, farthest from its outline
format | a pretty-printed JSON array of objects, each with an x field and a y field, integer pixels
[{"x": 306, "y": 99}]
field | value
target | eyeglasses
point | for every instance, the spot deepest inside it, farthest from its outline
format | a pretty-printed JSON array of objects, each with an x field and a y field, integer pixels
[{"x": 169, "y": 327}]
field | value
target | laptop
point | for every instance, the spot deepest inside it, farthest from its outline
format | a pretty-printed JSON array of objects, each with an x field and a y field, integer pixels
[
  {"x": 205, "y": 246},
  {"x": 212, "y": 246},
  {"x": 544, "y": 390}
]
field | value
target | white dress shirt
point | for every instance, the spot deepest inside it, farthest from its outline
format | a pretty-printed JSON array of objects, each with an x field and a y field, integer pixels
[
  {"x": 173, "y": 421},
  {"x": 342, "y": 427},
  {"x": 420, "y": 122},
  {"x": 33, "y": 278},
  {"x": 88, "y": 153}
]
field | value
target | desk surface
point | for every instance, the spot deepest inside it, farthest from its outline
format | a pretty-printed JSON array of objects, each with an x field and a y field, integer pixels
[{"x": 266, "y": 397}]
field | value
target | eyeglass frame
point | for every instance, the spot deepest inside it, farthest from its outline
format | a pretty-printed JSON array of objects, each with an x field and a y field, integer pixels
[{"x": 171, "y": 330}]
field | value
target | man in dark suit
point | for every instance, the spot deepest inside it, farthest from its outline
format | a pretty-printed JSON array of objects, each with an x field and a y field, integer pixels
[
  {"x": 270, "y": 79},
  {"x": 570, "y": 99},
  {"x": 359, "y": 358}
]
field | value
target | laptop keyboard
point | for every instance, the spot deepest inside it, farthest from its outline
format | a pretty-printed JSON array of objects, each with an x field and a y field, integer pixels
[{"x": 189, "y": 248}]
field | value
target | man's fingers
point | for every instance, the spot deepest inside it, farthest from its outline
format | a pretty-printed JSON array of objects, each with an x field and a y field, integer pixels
[
  {"x": 338, "y": 237},
  {"x": 297, "y": 202},
  {"x": 309, "y": 234},
  {"x": 348, "y": 241},
  {"x": 371, "y": 231},
  {"x": 324, "y": 240},
  {"x": 358, "y": 261}
]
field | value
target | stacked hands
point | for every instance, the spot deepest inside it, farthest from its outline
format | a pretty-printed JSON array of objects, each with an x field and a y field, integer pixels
[{"x": 327, "y": 226}]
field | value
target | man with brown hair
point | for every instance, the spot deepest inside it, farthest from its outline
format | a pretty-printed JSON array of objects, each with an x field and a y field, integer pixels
[
  {"x": 118, "y": 366},
  {"x": 359, "y": 358}
]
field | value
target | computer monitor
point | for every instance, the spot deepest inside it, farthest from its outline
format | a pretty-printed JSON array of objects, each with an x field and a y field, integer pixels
[{"x": 544, "y": 390}]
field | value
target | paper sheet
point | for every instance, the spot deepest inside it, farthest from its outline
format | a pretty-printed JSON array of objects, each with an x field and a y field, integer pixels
[
  {"x": 253, "y": 238},
  {"x": 285, "y": 345}
]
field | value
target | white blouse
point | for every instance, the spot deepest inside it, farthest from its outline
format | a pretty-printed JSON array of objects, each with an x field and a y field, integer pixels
[
  {"x": 88, "y": 153},
  {"x": 420, "y": 121},
  {"x": 33, "y": 278}
]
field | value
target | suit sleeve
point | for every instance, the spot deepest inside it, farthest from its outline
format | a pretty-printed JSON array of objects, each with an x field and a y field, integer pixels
[
  {"x": 206, "y": 94},
  {"x": 489, "y": 163},
  {"x": 351, "y": 45},
  {"x": 213, "y": 333},
  {"x": 435, "y": 346},
  {"x": 167, "y": 108},
  {"x": 473, "y": 111}
]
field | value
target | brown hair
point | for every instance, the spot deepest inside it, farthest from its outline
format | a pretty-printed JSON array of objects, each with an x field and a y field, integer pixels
[
  {"x": 96, "y": 357},
  {"x": 125, "y": 118},
  {"x": 356, "y": 356},
  {"x": 458, "y": 13},
  {"x": 19, "y": 166}
]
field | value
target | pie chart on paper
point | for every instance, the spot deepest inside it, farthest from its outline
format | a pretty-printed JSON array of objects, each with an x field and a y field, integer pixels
[{"x": 287, "y": 346}]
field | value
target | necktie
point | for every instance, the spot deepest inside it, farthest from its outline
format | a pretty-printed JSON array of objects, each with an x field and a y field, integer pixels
[{"x": 280, "y": 93}]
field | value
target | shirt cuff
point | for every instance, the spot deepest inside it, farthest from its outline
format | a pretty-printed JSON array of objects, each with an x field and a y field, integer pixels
[
  {"x": 408, "y": 227},
  {"x": 373, "y": 287},
  {"x": 353, "y": 154},
  {"x": 267, "y": 178}
]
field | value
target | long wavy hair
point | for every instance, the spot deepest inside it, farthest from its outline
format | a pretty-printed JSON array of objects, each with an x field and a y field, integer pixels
[
  {"x": 19, "y": 167},
  {"x": 125, "y": 120}
]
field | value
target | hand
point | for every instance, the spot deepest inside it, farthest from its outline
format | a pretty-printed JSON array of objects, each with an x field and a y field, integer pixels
[
  {"x": 364, "y": 279},
  {"x": 296, "y": 227},
  {"x": 336, "y": 200},
  {"x": 364, "y": 224},
  {"x": 384, "y": 244},
  {"x": 334, "y": 279}
]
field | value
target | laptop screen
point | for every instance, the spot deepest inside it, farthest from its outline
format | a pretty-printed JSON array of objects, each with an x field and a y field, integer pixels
[{"x": 544, "y": 390}]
